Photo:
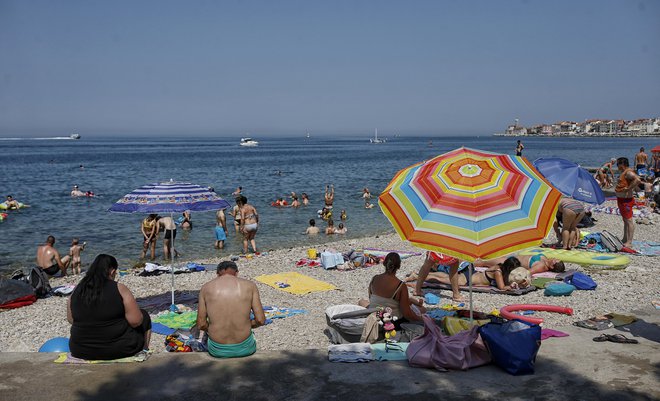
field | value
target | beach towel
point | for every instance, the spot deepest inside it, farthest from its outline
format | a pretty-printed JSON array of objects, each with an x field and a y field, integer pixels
[
  {"x": 160, "y": 328},
  {"x": 354, "y": 352},
  {"x": 168, "y": 322},
  {"x": 175, "y": 320},
  {"x": 390, "y": 351},
  {"x": 606, "y": 321},
  {"x": 66, "y": 358},
  {"x": 295, "y": 283},
  {"x": 161, "y": 302},
  {"x": 647, "y": 248},
  {"x": 481, "y": 288},
  {"x": 381, "y": 253}
]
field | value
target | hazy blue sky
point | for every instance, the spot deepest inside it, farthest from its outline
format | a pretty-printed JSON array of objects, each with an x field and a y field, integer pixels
[{"x": 346, "y": 67}]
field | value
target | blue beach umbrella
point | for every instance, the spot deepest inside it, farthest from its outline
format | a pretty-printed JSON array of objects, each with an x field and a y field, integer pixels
[
  {"x": 169, "y": 197},
  {"x": 570, "y": 179}
]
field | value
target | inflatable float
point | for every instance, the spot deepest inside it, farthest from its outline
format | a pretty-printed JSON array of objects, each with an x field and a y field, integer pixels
[
  {"x": 3, "y": 206},
  {"x": 3, "y": 216},
  {"x": 507, "y": 311},
  {"x": 280, "y": 204},
  {"x": 585, "y": 258}
]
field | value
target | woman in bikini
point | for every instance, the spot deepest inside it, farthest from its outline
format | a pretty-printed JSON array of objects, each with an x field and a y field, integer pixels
[
  {"x": 534, "y": 263},
  {"x": 386, "y": 290},
  {"x": 249, "y": 224},
  {"x": 149, "y": 230},
  {"x": 570, "y": 213},
  {"x": 500, "y": 275}
]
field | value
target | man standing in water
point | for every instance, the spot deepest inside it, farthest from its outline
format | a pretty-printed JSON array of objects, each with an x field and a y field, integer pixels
[
  {"x": 519, "y": 148},
  {"x": 48, "y": 259},
  {"x": 225, "y": 304},
  {"x": 627, "y": 183},
  {"x": 329, "y": 196},
  {"x": 168, "y": 225}
]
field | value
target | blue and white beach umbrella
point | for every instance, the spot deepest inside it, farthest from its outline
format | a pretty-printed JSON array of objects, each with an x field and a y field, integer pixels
[
  {"x": 570, "y": 179},
  {"x": 169, "y": 197}
]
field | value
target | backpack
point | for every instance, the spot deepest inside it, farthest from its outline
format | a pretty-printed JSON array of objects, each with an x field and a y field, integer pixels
[
  {"x": 610, "y": 241},
  {"x": 36, "y": 277},
  {"x": 581, "y": 281}
]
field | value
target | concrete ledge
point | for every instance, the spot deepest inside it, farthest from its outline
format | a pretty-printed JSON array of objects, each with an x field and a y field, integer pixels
[{"x": 567, "y": 368}]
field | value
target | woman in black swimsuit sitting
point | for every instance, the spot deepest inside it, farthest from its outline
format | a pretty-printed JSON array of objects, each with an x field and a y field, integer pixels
[{"x": 106, "y": 322}]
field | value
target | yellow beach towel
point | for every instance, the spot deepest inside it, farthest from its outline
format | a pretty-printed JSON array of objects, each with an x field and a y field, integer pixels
[{"x": 295, "y": 283}]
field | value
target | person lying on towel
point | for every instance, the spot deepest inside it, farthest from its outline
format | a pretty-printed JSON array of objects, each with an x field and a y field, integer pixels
[
  {"x": 507, "y": 275},
  {"x": 224, "y": 310},
  {"x": 538, "y": 263}
]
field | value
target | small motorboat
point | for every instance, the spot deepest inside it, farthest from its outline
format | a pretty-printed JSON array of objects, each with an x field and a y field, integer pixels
[{"x": 249, "y": 142}]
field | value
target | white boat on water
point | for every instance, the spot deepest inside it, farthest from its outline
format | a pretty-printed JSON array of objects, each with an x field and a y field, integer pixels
[
  {"x": 375, "y": 138},
  {"x": 249, "y": 142},
  {"x": 75, "y": 136}
]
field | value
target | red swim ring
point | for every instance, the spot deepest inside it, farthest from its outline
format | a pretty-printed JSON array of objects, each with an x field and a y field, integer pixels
[{"x": 507, "y": 311}]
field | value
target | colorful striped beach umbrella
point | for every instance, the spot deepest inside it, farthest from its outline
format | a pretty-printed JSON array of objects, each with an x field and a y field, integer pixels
[
  {"x": 471, "y": 204},
  {"x": 169, "y": 197}
]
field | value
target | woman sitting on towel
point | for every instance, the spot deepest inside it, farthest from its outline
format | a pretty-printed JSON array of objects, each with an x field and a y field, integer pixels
[
  {"x": 386, "y": 289},
  {"x": 536, "y": 264},
  {"x": 106, "y": 322}
]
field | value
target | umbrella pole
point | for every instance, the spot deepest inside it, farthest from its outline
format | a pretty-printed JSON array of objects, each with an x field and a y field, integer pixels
[
  {"x": 172, "y": 307},
  {"x": 470, "y": 267}
]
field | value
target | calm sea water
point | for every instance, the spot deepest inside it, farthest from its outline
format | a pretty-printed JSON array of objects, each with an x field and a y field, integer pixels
[{"x": 41, "y": 173}]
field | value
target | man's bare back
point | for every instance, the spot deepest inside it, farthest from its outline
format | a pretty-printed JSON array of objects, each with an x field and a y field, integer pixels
[
  {"x": 225, "y": 304},
  {"x": 49, "y": 258}
]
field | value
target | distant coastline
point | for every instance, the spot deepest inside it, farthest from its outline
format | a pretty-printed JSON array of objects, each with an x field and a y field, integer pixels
[
  {"x": 643, "y": 127},
  {"x": 585, "y": 135}
]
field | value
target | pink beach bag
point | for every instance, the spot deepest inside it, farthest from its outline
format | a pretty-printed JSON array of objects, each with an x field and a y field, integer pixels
[{"x": 435, "y": 350}]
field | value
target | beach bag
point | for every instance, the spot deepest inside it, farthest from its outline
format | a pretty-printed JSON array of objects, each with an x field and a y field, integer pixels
[
  {"x": 345, "y": 323},
  {"x": 610, "y": 241},
  {"x": 435, "y": 350},
  {"x": 512, "y": 345},
  {"x": 37, "y": 278},
  {"x": 581, "y": 281}
]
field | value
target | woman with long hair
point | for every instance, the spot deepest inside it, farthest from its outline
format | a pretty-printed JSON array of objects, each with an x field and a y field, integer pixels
[
  {"x": 106, "y": 322},
  {"x": 386, "y": 290}
]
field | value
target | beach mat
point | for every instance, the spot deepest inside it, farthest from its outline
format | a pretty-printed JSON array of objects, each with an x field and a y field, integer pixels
[
  {"x": 486, "y": 289},
  {"x": 647, "y": 248},
  {"x": 66, "y": 358},
  {"x": 606, "y": 321},
  {"x": 295, "y": 283},
  {"x": 606, "y": 260},
  {"x": 381, "y": 253},
  {"x": 161, "y": 302}
]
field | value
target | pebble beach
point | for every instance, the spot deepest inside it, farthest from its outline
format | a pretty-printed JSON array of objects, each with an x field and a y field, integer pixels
[{"x": 622, "y": 291}]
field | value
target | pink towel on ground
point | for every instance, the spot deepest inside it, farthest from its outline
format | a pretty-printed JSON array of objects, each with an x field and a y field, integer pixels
[{"x": 547, "y": 333}]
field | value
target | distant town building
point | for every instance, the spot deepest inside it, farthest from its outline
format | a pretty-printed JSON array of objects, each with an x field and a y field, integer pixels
[{"x": 592, "y": 127}]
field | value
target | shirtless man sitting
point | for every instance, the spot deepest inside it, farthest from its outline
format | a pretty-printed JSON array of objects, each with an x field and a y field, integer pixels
[
  {"x": 48, "y": 259},
  {"x": 224, "y": 310}
]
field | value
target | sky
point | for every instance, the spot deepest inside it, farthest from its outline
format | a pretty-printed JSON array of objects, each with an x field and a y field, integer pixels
[{"x": 344, "y": 67}]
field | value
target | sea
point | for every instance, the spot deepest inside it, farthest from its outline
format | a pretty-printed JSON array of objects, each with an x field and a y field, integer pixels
[{"x": 41, "y": 173}]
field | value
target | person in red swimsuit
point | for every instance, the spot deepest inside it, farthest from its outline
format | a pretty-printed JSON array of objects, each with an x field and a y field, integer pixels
[{"x": 625, "y": 187}]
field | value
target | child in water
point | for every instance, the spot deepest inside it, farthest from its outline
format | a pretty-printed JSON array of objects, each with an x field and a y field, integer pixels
[
  {"x": 342, "y": 216},
  {"x": 74, "y": 253}
]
